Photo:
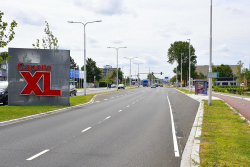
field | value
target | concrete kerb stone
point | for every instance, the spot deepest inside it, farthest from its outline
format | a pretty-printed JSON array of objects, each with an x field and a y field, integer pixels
[
  {"x": 46, "y": 113},
  {"x": 49, "y": 112},
  {"x": 190, "y": 156}
]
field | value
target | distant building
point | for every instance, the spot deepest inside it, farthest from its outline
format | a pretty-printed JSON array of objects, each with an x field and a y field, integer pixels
[
  {"x": 3, "y": 72},
  {"x": 205, "y": 68},
  {"x": 107, "y": 68}
]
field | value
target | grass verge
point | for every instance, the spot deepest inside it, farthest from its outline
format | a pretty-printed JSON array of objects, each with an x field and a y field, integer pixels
[
  {"x": 225, "y": 137},
  {"x": 186, "y": 91},
  {"x": 14, "y": 112}
]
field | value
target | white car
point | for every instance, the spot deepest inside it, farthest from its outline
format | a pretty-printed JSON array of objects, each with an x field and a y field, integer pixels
[{"x": 121, "y": 86}]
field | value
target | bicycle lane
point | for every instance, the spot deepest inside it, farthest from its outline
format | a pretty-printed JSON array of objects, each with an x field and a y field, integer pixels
[{"x": 242, "y": 104}]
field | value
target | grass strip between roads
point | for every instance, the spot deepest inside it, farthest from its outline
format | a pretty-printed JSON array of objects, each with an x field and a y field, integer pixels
[
  {"x": 14, "y": 112},
  {"x": 225, "y": 139}
]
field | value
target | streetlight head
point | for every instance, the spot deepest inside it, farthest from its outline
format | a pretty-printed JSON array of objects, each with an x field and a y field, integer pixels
[
  {"x": 70, "y": 21},
  {"x": 99, "y": 21}
]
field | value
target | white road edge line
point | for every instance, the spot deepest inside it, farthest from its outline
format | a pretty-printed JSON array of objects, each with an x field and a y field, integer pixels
[
  {"x": 86, "y": 129},
  {"x": 176, "y": 149},
  {"x": 119, "y": 110},
  {"x": 37, "y": 155}
]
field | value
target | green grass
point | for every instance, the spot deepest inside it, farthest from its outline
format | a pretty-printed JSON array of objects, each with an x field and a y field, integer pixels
[
  {"x": 186, "y": 91},
  {"x": 14, "y": 112},
  {"x": 226, "y": 137}
]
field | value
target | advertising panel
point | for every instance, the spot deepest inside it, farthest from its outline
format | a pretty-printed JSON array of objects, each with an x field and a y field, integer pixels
[{"x": 38, "y": 77}]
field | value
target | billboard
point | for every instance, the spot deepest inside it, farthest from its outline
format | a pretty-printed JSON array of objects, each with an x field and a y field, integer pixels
[{"x": 38, "y": 77}]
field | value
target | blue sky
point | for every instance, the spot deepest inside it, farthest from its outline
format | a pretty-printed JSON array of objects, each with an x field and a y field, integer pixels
[{"x": 146, "y": 27}]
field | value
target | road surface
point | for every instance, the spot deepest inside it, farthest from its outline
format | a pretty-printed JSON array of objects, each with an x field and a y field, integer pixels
[{"x": 125, "y": 128}]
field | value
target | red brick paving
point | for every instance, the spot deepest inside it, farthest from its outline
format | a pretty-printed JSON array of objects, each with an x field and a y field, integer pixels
[{"x": 238, "y": 104}]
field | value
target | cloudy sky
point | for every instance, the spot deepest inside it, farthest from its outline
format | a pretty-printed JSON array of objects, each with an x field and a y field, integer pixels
[{"x": 145, "y": 27}]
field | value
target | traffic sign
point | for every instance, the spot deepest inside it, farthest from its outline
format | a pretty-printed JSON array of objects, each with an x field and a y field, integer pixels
[
  {"x": 191, "y": 79},
  {"x": 166, "y": 77},
  {"x": 212, "y": 75}
]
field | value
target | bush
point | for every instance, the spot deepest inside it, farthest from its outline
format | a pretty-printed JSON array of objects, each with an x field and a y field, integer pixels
[{"x": 102, "y": 84}]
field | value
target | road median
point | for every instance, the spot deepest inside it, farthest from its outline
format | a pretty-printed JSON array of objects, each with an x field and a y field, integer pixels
[{"x": 225, "y": 137}]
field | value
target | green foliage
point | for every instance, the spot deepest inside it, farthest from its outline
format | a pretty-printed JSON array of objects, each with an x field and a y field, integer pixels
[
  {"x": 120, "y": 75},
  {"x": 103, "y": 84},
  {"x": 239, "y": 72},
  {"x": 173, "y": 79},
  {"x": 5, "y": 38},
  {"x": 149, "y": 76},
  {"x": 92, "y": 70},
  {"x": 225, "y": 137},
  {"x": 49, "y": 41},
  {"x": 4, "y": 56},
  {"x": 174, "y": 54},
  {"x": 72, "y": 63},
  {"x": 202, "y": 76},
  {"x": 224, "y": 70}
]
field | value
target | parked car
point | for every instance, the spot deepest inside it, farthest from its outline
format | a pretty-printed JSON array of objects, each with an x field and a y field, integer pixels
[
  {"x": 161, "y": 85},
  {"x": 4, "y": 92},
  {"x": 72, "y": 90},
  {"x": 113, "y": 85},
  {"x": 121, "y": 86}
]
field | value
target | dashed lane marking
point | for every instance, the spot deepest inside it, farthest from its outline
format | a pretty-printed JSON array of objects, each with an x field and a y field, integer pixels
[
  {"x": 86, "y": 129},
  {"x": 37, "y": 155}
]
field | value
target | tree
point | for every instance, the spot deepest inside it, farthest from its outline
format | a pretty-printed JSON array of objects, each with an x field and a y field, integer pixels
[
  {"x": 174, "y": 55},
  {"x": 92, "y": 70},
  {"x": 173, "y": 79},
  {"x": 239, "y": 72},
  {"x": 5, "y": 38},
  {"x": 49, "y": 41},
  {"x": 149, "y": 76},
  {"x": 224, "y": 70},
  {"x": 4, "y": 56},
  {"x": 73, "y": 65},
  {"x": 119, "y": 74}
]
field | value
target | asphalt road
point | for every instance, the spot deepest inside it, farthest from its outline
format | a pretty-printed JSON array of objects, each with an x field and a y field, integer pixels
[{"x": 125, "y": 128}]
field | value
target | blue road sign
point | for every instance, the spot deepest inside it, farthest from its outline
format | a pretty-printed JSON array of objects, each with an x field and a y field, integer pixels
[{"x": 166, "y": 77}]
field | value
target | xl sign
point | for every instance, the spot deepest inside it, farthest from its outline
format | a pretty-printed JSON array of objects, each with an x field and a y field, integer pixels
[{"x": 42, "y": 71}]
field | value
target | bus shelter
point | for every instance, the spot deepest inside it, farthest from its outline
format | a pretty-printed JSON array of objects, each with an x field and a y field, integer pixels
[{"x": 200, "y": 87}]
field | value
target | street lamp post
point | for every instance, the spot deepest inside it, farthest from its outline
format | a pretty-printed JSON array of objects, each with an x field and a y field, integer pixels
[
  {"x": 189, "y": 66},
  {"x": 210, "y": 59},
  {"x": 181, "y": 70},
  {"x": 117, "y": 65},
  {"x": 85, "y": 76},
  {"x": 138, "y": 72},
  {"x": 130, "y": 69}
]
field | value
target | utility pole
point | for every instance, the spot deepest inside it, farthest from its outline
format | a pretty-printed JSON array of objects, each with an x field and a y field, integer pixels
[{"x": 210, "y": 59}]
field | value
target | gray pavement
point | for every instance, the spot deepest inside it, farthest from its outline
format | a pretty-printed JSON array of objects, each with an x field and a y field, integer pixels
[{"x": 125, "y": 128}]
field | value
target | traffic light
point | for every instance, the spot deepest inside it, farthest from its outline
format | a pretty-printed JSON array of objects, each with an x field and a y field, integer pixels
[
  {"x": 152, "y": 73},
  {"x": 161, "y": 73},
  {"x": 135, "y": 79}
]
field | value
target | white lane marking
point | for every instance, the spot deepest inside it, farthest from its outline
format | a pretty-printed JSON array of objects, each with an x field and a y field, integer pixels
[
  {"x": 133, "y": 102},
  {"x": 119, "y": 110},
  {"x": 99, "y": 122},
  {"x": 128, "y": 106},
  {"x": 112, "y": 97},
  {"x": 37, "y": 155},
  {"x": 105, "y": 99},
  {"x": 107, "y": 117},
  {"x": 117, "y": 96},
  {"x": 86, "y": 129},
  {"x": 137, "y": 100},
  {"x": 97, "y": 101},
  {"x": 176, "y": 149}
]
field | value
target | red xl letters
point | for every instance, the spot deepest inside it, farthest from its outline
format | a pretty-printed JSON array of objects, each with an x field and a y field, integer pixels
[{"x": 32, "y": 84}]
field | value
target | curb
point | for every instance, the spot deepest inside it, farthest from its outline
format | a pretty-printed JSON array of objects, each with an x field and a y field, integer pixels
[
  {"x": 49, "y": 112},
  {"x": 190, "y": 156},
  {"x": 46, "y": 113}
]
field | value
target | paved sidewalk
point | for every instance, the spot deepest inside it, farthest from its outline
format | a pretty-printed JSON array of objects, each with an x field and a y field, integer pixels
[{"x": 241, "y": 103}]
